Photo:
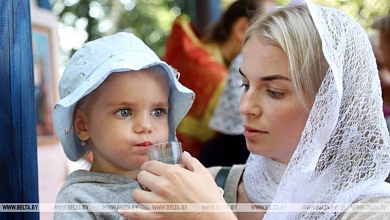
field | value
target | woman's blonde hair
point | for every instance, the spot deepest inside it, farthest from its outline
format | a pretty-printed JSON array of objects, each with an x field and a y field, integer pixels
[{"x": 292, "y": 29}]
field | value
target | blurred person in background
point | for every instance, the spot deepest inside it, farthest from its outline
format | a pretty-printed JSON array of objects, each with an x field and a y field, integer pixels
[
  {"x": 228, "y": 147},
  {"x": 384, "y": 75},
  {"x": 383, "y": 26},
  {"x": 383, "y": 61},
  {"x": 203, "y": 62}
]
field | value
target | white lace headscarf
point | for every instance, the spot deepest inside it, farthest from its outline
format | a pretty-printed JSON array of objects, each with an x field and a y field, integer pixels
[{"x": 344, "y": 154}]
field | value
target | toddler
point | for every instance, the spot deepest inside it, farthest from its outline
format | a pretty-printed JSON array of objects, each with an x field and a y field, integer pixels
[{"x": 117, "y": 98}]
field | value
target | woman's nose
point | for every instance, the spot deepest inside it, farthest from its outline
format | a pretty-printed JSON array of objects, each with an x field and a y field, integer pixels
[{"x": 249, "y": 104}]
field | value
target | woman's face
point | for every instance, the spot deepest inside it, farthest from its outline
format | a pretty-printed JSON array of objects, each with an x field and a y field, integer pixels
[{"x": 273, "y": 116}]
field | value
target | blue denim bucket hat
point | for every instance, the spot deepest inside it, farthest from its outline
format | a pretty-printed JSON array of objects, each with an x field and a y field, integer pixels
[{"x": 92, "y": 64}]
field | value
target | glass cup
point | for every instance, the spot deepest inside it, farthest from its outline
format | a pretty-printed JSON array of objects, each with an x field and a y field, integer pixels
[{"x": 168, "y": 152}]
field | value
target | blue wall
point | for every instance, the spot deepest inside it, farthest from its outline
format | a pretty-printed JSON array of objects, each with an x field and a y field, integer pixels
[{"x": 18, "y": 139}]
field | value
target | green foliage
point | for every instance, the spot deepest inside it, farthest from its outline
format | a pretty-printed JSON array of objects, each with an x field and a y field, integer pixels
[
  {"x": 151, "y": 20},
  {"x": 363, "y": 11}
]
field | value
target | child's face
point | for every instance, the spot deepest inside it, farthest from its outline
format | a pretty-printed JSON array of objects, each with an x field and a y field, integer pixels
[{"x": 130, "y": 113}]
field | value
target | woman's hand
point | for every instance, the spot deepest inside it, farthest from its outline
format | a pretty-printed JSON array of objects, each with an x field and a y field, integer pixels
[{"x": 173, "y": 184}]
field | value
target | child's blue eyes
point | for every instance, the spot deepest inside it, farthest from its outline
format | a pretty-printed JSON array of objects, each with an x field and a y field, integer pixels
[
  {"x": 123, "y": 113},
  {"x": 159, "y": 112}
]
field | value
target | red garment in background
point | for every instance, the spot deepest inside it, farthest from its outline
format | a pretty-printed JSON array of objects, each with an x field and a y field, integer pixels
[{"x": 202, "y": 70}]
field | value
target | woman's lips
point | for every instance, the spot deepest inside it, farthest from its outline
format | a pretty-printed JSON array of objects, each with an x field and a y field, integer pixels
[{"x": 251, "y": 133}]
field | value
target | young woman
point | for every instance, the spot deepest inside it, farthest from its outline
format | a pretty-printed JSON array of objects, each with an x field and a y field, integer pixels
[{"x": 312, "y": 112}]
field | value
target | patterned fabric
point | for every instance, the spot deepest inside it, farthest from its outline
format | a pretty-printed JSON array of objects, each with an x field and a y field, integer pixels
[
  {"x": 203, "y": 71},
  {"x": 226, "y": 118}
]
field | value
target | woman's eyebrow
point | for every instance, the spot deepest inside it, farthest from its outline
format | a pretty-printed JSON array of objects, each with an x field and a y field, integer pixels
[
  {"x": 274, "y": 77},
  {"x": 268, "y": 78},
  {"x": 241, "y": 73}
]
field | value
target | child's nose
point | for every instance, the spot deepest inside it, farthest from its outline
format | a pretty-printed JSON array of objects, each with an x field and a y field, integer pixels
[{"x": 143, "y": 124}]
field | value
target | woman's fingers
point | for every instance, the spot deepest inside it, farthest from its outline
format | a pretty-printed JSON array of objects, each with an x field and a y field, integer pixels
[
  {"x": 158, "y": 168},
  {"x": 147, "y": 215},
  {"x": 147, "y": 197},
  {"x": 155, "y": 167},
  {"x": 187, "y": 160},
  {"x": 137, "y": 215},
  {"x": 146, "y": 179},
  {"x": 174, "y": 184},
  {"x": 160, "y": 179},
  {"x": 191, "y": 163}
]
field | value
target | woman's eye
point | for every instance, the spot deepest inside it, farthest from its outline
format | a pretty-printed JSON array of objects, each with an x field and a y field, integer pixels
[
  {"x": 158, "y": 112},
  {"x": 246, "y": 86},
  {"x": 275, "y": 94},
  {"x": 123, "y": 113}
]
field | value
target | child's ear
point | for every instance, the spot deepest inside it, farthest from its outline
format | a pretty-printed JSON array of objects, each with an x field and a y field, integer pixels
[{"x": 80, "y": 124}]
